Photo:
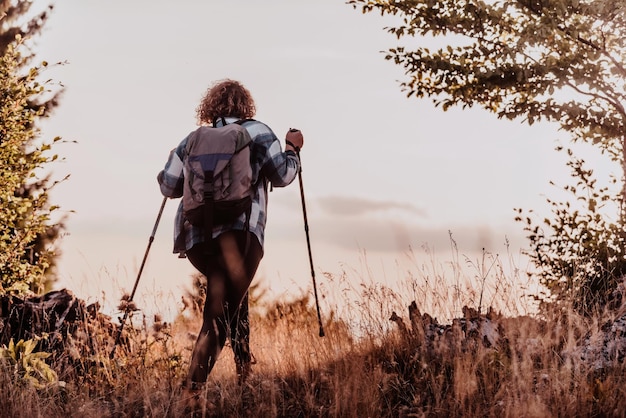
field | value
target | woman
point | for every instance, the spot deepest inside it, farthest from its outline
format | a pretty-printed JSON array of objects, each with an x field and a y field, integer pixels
[{"x": 236, "y": 248}]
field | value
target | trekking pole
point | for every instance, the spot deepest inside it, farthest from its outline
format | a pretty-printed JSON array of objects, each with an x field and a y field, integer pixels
[
  {"x": 143, "y": 263},
  {"x": 308, "y": 241}
]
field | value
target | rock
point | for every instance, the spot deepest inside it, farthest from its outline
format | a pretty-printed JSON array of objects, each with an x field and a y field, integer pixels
[
  {"x": 59, "y": 320},
  {"x": 596, "y": 349}
]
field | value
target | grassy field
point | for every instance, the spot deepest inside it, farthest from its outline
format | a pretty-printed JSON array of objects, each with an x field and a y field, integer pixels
[{"x": 365, "y": 366}]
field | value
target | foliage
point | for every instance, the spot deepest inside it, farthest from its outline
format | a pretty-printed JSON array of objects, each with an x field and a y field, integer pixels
[
  {"x": 27, "y": 365},
  {"x": 23, "y": 216},
  {"x": 558, "y": 61},
  {"x": 521, "y": 53},
  {"x": 581, "y": 252},
  {"x": 14, "y": 22},
  {"x": 17, "y": 20}
]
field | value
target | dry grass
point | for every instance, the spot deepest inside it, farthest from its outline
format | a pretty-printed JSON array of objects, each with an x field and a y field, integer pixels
[{"x": 365, "y": 366}]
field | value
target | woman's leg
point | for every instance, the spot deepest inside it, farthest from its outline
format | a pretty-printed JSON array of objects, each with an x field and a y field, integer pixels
[
  {"x": 229, "y": 275},
  {"x": 213, "y": 333},
  {"x": 252, "y": 253}
]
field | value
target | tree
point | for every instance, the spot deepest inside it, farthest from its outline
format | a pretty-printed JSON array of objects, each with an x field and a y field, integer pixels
[
  {"x": 558, "y": 61},
  {"x": 25, "y": 213},
  {"x": 17, "y": 21},
  {"x": 13, "y": 22}
]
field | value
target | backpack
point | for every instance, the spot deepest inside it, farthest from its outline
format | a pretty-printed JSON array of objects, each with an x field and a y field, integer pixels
[{"x": 218, "y": 176}]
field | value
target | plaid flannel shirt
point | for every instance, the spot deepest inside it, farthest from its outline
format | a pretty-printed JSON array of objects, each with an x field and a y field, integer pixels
[{"x": 269, "y": 165}]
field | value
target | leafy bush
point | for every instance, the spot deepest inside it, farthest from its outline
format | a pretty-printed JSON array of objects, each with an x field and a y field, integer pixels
[
  {"x": 580, "y": 253},
  {"x": 27, "y": 364},
  {"x": 23, "y": 216}
]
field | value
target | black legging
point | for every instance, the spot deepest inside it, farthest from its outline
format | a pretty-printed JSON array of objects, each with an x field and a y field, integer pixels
[{"x": 229, "y": 269}]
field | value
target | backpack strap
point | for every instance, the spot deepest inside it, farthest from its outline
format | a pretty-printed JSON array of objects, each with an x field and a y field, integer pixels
[
  {"x": 208, "y": 210},
  {"x": 224, "y": 123},
  {"x": 242, "y": 121},
  {"x": 246, "y": 228},
  {"x": 221, "y": 119},
  {"x": 254, "y": 186}
]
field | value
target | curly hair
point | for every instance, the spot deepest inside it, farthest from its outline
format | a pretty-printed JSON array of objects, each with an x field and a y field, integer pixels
[{"x": 225, "y": 98}]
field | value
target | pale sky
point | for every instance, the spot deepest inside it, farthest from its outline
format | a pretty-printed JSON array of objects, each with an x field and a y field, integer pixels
[{"x": 382, "y": 173}]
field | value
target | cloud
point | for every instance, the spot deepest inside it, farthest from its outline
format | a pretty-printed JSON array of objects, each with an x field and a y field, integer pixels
[
  {"x": 354, "y": 223},
  {"x": 393, "y": 236},
  {"x": 337, "y": 205},
  {"x": 389, "y": 236}
]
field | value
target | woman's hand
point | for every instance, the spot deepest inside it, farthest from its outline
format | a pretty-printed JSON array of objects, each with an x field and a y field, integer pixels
[{"x": 294, "y": 140}]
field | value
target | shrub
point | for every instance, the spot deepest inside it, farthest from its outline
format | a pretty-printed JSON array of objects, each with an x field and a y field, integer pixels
[{"x": 23, "y": 216}]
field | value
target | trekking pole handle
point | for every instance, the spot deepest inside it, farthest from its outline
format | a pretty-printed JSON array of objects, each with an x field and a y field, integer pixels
[{"x": 288, "y": 142}]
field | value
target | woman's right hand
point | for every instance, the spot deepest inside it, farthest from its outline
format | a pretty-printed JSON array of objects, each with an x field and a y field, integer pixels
[{"x": 294, "y": 140}]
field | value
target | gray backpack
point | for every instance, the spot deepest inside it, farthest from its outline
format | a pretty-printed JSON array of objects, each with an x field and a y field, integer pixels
[{"x": 218, "y": 176}]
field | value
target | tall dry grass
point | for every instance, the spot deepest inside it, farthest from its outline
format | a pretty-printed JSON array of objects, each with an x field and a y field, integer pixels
[{"x": 365, "y": 366}]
